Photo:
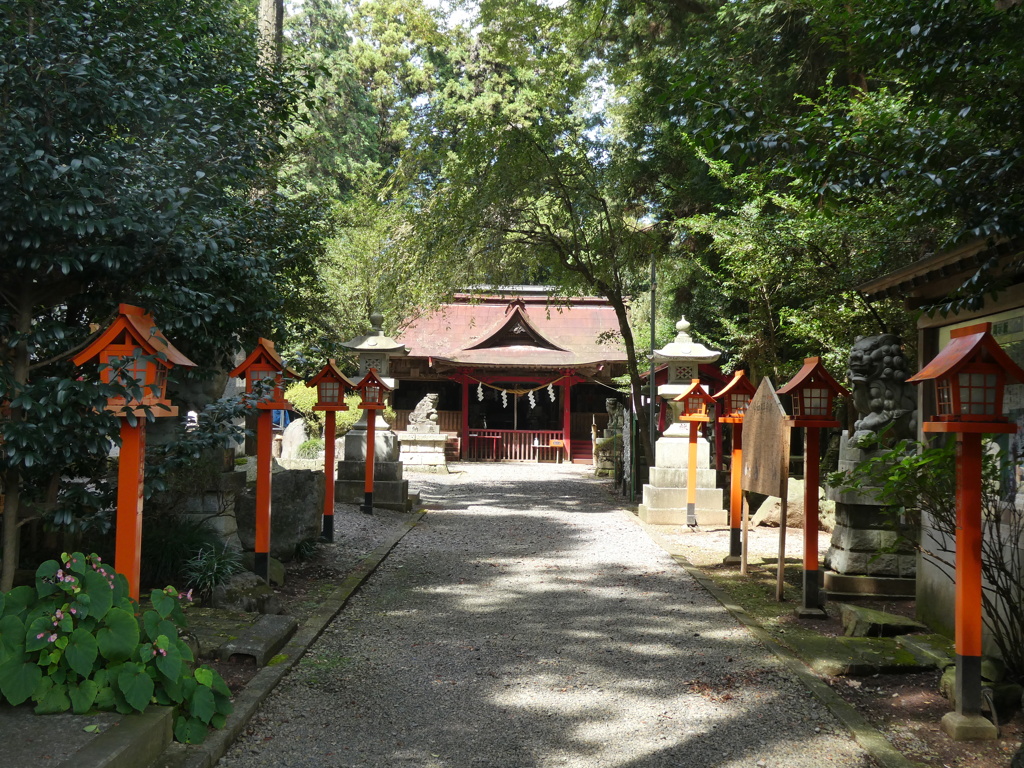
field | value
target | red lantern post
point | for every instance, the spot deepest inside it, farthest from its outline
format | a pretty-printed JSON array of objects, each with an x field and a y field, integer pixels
[
  {"x": 330, "y": 386},
  {"x": 120, "y": 349},
  {"x": 969, "y": 374},
  {"x": 264, "y": 365},
  {"x": 813, "y": 391},
  {"x": 732, "y": 403},
  {"x": 696, "y": 411},
  {"x": 374, "y": 393}
]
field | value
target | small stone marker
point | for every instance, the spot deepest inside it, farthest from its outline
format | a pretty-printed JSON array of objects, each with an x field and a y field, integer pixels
[{"x": 261, "y": 640}]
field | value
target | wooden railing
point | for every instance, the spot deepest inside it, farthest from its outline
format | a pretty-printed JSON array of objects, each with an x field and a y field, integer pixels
[
  {"x": 448, "y": 421},
  {"x": 507, "y": 444}
]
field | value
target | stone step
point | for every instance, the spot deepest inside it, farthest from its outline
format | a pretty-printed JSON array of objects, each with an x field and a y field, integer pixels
[
  {"x": 859, "y": 621},
  {"x": 261, "y": 640}
]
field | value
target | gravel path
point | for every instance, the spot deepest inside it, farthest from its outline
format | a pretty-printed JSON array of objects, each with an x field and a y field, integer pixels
[{"x": 528, "y": 622}]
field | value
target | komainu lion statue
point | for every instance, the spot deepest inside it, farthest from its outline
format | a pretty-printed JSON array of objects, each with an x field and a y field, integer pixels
[
  {"x": 425, "y": 411},
  {"x": 878, "y": 375}
]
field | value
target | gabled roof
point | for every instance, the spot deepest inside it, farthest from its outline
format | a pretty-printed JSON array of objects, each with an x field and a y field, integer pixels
[
  {"x": 263, "y": 353},
  {"x": 528, "y": 330},
  {"x": 140, "y": 328},
  {"x": 813, "y": 370},
  {"x": 740, "y": 384},
  {"x": 331, "y": 372},
  {"x": 965, "y": 346}
]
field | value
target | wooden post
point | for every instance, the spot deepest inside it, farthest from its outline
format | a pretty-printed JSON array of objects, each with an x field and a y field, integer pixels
[
  {"x": 264, "y": 444},
  {"x": 330, "y": 469},
  {"x": 371, "y": 429},
  {"x": 464, "y": 436},
  {"x": 735, "y": 495},
  {"x": 812, "y": 595},
  {"x": 130, "y": 478},
  {"x": 691, "y": 477},
  {"x": 968, "y": 574},
  {"x": 567, "y": 419}
]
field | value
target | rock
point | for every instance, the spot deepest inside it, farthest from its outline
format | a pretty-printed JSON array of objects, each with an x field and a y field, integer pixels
[
  {"x": 246, "y": 592},
  {"x": 770, "y": 512},
  {"x": 294, "y": 435},
  {"x": 867, "y": 622},
  {"x": 275, "y": 568},
  {"x": 296, "y": 512}
]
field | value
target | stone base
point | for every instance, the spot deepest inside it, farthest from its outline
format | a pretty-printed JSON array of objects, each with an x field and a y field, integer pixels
[
  {"x": 968, "y": 727},
  {"x": 677, "y": 515},
  {"x": 850, "y": 585},
  {"x": 392, "y": 495},
  {"x": 423, "y": 451}
]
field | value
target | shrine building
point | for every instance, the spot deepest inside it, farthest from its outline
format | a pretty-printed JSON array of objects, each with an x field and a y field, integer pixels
[{"x": 520, "y": 375}]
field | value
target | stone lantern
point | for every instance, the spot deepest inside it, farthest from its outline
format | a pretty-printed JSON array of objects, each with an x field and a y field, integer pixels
[
  {"x": 373, "y": 352},
  {"x": 665, "y": 496}
]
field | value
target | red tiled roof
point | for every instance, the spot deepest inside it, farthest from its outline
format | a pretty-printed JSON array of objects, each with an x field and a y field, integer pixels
[{"x": 483, "y": 331}]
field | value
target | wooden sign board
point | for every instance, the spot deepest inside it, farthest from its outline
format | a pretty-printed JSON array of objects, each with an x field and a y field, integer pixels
[
  {"x": 766, "y": 464},
  {"x": 765, "y": 443}
]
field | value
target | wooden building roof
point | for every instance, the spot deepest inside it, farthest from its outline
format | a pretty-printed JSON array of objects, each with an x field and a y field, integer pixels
[{"x": 522, "y": 329}]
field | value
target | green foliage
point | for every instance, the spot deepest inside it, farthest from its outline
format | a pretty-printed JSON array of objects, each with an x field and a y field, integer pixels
[
  {"x": 303, "y": 399},
  {"x": 212, "y": 566},
  {"x": 169, "y": 542},
  {"x": 310, "y": 449},
  {"x": 73, "y": 642}
]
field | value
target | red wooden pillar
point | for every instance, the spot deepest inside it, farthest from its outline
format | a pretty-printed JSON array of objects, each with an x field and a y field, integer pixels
[
  {"x": 811, "y": 474},
  {"x": 567, "y": 418},
  {"x": 691, "y": 476},
  {"x": 736, "y": 495},
  {"x": 371, "y": 457},
  {"x": 130, "y": 478},
  {"x": 464, "y": 427},
  {"x": 264, "y": 446},
  {"x": 330, "y": 469},
  {"x": 968, "y": 574}
]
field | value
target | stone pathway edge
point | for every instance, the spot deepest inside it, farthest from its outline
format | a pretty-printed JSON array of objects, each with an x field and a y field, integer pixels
[
  {"x": 206, "y": 755},
  {"x": 870, "y": 738}
]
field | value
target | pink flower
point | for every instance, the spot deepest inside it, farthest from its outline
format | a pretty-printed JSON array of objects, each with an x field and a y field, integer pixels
[
  {"x": 52, "y": 638},
  {"x": 40, "y": 636}
]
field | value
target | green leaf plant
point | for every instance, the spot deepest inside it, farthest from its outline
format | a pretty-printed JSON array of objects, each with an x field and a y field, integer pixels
[{"x": 76, "y": 641}]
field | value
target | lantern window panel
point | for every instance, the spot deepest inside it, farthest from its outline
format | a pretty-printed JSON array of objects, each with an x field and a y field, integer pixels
[
  {"x": 812, "y": 401},
  {"x": 977, "y": 393},
  {"x": 371, "y": 394},
  {"x": 329, "y": 392},
  {"x": 696, "y": 406},
  {"x": 738, "y": 403}
]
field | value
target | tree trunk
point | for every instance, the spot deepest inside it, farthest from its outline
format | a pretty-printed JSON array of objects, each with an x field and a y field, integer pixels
[
  {"x": 636, "y": 383},
  {"x": 271, "y": 29},
  {"x": 12, "y": 478}
]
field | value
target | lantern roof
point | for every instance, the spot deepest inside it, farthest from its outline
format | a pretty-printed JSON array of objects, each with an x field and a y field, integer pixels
[
  {"x": 376, "y": 341},
  {"x": 139, "y": 326},
  {"x": 263, "y": 354},
  {"x": 684, "y": 348},
  {"x": 740, "y": 385},
  {"x": 695, "y": 390},
  {"x": 973, "y": 343},
  {"x": 813, "y": 371},
  {"x": 330, "y": 372},
  {"x": 370, "y": 379}
]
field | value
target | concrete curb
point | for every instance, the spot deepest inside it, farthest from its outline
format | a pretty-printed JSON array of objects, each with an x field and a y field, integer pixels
[
  {"x": 218, "y": 742},
  {"x": 134, "y": 742},
  {"x": 865, "y": 734}
]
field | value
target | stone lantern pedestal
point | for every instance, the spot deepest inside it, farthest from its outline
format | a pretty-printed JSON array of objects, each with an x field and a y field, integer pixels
[{"x": 664, "y": 497}]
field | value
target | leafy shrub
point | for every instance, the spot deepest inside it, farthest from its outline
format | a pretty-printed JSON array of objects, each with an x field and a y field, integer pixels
[
  {"x": 310, "y": 449},
  {"x": 303, "y": 399},
  {"x": 210, "y": 568},
  {"x": 169, "y": 541},
  {"x": 74, "y": 641},
  {"x": 306, "y": 550}
]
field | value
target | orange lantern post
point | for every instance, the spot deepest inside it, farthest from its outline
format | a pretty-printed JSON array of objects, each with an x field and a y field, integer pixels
[
  {"x": 264, "y": 366},
  {"x": 813, "y": 391},
  {"x": 696, "y": 411},
  {"x": 330, "y": 386},
  {"x": 373, "y": 391},
  {"x": 732, "y": 404},
  {"x": 969, "y": 374},
  {"x": 121, "y": 350}
]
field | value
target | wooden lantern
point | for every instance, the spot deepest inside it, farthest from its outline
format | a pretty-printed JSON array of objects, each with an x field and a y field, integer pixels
[
  {"x": 697, "y": 404},
  {"x": 264, "y": 364},
  {"x": 733, "y": 402},
  {"x": 969, "y": 376},
  {"x": 813, "y": 391},
  {"x": 373, "y": 391},
  {"x": 330, "y": 386},
  {"x": 134, "y": 352},
  {"x": 734, "y": 399}
]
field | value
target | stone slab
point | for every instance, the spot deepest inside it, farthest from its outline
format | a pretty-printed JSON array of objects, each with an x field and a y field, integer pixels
[
  {"x": 859, "y": 621},
  {"x": 671, "y": 477},
  {"x": 261, "y": 641},
  {"x": 932, "y": 649},
  {"x": 677, "y": 516},
  {"x": 968, "y": 727},
  {"x": 675, "y": 498}
]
